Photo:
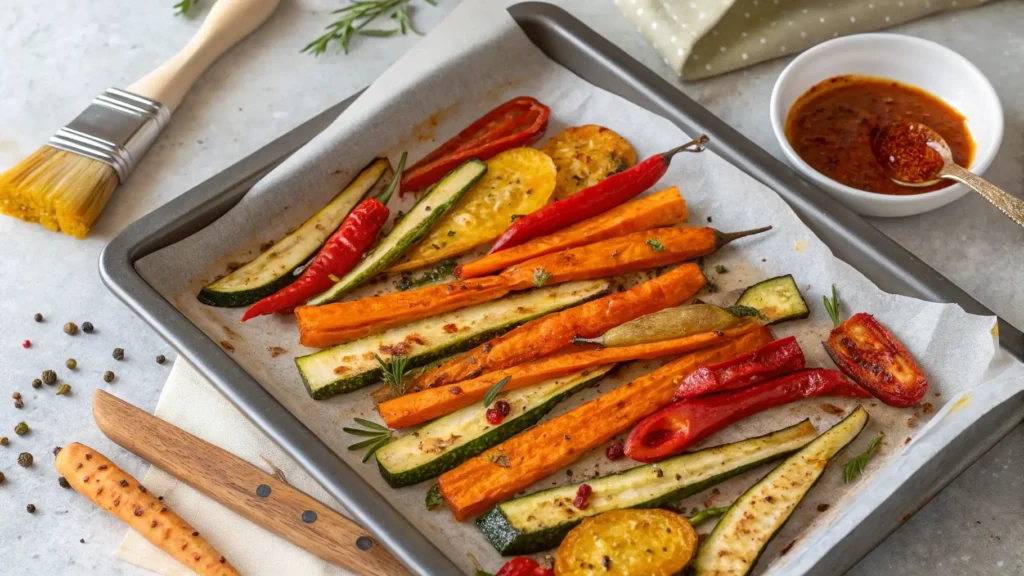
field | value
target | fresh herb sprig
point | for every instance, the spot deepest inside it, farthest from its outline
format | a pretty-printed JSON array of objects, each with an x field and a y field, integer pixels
[
  {"x": 655, "y": 244},
  {"x": 352, "y": 20},
  {"x": 434, "y": 497},
  {"x": 741, "y": 311},
  {"x": 377, "y": 436},
  {"x": 707, "y": 514},
  {"x": 541, "y": 277},
  {"x": 393, "y": 373},
  {"x": 494, "y": 390},
  {"x": 855, "y": 467},
  {"x": 183, "y": 6},
  {"x": 832, "y": 306}
]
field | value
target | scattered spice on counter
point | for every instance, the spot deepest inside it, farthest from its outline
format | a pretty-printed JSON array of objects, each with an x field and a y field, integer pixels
[
  {"x": 708, "y": 501},
  {"x": 118, "y": 354},
  {"x": 24, "y": 459},
  {"x": 16, "y": 395},
  {"x": 927, "y": 408},
  {"x": 823, "y": 507},
  {"x": 87, "y": 327},
  {"x": 108, "y": 376},
  {"x": 160, "y": 359},
  {"x": 31, "y": 508},
  {"x": 21, "y": 429},
  {"x": 26, "y": 344},
  {"x": 81, "y": 540},
  {"x": 1, "y": 477},
  {"x": 4, "y": 440},
  {"x": 71, "y": 328},
  {"x": 49, "y": 377},
  {"x": 64, "y": 389},
  {"x": 227, "y": 346},
  {"x": 37, "y": 383},
  {"x": 57, "y": 449},
  {"x": 71, "y": 363},
  {"x": 615, "y": 451},
  {"x": 38, "y": 317},
  {"x": 19, "y": 404},
  {"x": 500, "y": 460},
  {"x": 721, "y": 269}
]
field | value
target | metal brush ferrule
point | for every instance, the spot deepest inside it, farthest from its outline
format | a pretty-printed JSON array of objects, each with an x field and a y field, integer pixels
[{"x": 117, "y": 129}]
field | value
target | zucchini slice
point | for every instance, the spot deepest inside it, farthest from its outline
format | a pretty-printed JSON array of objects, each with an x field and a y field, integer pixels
[
  {"x": 352, "y": 365},
  {"x": 279, "y": 266},
  {"x": 445, "y": 443},
  {"x": 743, "y": 533},
  {"x": 777, "y": 298},
  {"x": 539, "y": 521},
  {"x": 409, "y": 229}
]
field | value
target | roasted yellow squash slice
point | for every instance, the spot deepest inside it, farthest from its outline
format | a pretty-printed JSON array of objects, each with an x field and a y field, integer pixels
[
  {"x": 585, "y": 155},
  {"x": 624, "y": 542}
]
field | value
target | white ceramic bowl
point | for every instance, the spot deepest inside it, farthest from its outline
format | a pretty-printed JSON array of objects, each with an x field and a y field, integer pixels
[{"x": 909, "y": 60}]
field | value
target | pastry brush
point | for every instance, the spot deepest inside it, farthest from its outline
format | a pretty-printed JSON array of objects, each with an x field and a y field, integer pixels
[{"x": 65, "y": 184}]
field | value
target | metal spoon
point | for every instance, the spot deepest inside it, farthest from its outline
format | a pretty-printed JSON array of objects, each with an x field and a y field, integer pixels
[{"x": 913, "y": 154}]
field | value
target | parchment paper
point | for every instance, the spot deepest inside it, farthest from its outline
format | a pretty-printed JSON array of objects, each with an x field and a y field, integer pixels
[{"x": 478, "y": 58}]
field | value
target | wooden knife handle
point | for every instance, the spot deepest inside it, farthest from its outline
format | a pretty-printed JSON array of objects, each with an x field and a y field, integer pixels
[{"x": 244, "y": 488}]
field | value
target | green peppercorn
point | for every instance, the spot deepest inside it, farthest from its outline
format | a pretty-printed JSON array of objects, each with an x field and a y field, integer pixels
[
  {"x": 16, "y": 395},
  {"x": 108, "y": 376},
  {"x": 118, "y": 353},
  {"x": 21, "y": 429},
  {"x": 160, "y": 359},
  {"x": 49, "y": 377},
  {"x": 63, "y": 482},
  {"x": 71, "y": 328},
  {"x": 31, "y": 508},
  {"x": 38, "y": 317},
  {"x": 87, "y": 327},
  {"x": 24, "y": 459},
  {"x": 64, "y": 389},
  {"x": 4, "y": 441},
  {"x": 37, "y": 383},
  {"x": 71, "y": 363}
]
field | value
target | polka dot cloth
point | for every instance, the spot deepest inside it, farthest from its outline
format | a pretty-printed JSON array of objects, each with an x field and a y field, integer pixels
[{"x": 702, "y": 38}]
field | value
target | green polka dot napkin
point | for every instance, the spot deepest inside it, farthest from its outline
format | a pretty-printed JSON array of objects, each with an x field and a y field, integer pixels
[{"x": 702, "y": 38}]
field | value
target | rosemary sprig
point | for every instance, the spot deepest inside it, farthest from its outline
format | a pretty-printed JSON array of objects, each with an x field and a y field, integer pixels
[
  {"x": 855, "y": 467},
  {"x": 707, "y": 514},
  {"x": 377, "y": 436},
  {"x": 352, "y": 20},
  {"x": 494, "y": 390},
  {"x": 393, "y": 373},
  {"x": 745, "y": 311},
  {"x": 832, "y": 306},
  {"x": 183, "y": 6}
]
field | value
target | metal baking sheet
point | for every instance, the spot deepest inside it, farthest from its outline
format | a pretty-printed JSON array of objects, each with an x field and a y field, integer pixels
[{"x": 568, "y": 42}]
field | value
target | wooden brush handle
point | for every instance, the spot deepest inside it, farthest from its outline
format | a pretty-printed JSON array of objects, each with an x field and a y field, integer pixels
[
  {"x": 227, "y": 23},
  {"x": 245, "y": 489}
]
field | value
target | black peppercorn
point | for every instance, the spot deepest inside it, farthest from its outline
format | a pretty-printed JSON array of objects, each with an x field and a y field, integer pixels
[
  {"x": 24, "y": 459},
  {"x": 57, "y": 449},
  {"x": 19, "y": 404},
  {"x": 108, "y": 376},
  {"x": 160, "y": 359},
  {"x": 71, "y": 329},
  {"x": 21, "y": 429},
  {"x": 38, "y": 317},
  {"x": 37, "y": 383},
  {"x": 87, "y": 327},
  {"x": 1, "y": 477},
  {"x": 31, "y": 508},
  {"x": 118, "y": 353},
  {"x": 63, "y": 482},
  {"x": 49, "y": 377}
]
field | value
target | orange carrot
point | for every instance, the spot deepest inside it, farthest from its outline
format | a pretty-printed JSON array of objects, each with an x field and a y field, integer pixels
[
  {"x": 498, "y": 473},
  {"x": 545, "y": 335},
  {"x": 94, "y": 476},
  {"x": 419, "y": 407},
  {"x": 662, "y": 208}
]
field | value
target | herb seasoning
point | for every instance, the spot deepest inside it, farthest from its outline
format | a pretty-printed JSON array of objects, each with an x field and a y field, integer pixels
[
  {"x": 21, "y": 429},
  {"x": 108, "y": 376},
  {"x": 118, "y": 354},
  {"x": 87, "y": 327},
  {"x": 71, "y": 363},
  {"x": 71, "y": 328},
  {"x": 64, "y": 389},
  {"x": 38, "y": 317},
  {"x": 49, "y": 377},
  {"x": 24, "y": 459}
]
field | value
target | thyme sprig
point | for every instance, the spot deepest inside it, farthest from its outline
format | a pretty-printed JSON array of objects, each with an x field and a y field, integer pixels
[
  {"x": 377, "y": 436},
  {"x": 183, "y": 6},
  {"x": 855, "y": 467},
  {"x": 352, "y": 20},
  {"x": 393, "y": 373}
]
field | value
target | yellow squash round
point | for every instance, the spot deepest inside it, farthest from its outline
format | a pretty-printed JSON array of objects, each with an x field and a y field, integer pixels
[
  {"x": 585, "y": 155},
  {"x": 627, "y": 542}
]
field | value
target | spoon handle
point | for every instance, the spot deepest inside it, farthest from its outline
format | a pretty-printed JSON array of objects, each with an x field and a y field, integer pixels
[{"x": 1009, "y": 205}]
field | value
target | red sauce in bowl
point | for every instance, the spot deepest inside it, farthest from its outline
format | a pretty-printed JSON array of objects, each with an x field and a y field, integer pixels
[{"x": 833, "y": 124}]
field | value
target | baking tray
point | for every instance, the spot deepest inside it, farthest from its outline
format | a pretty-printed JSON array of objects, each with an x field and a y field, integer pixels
[{"x": 570, "y": 43}]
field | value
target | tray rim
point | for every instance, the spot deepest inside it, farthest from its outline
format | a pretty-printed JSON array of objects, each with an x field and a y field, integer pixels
[{"x": 849, "y": 236}]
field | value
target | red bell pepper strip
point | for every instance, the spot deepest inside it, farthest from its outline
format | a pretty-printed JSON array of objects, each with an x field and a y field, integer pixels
[
  {"x": 673, "y": 429},
  {"x": 339, "y": 254},
  {"x": 867, "y": 352},
  {"x": 601, "y": 197},
  {"x": 519, "y": 122},
  {"x": 769, "y": 361},
  {"x": 523, "y": 566}
]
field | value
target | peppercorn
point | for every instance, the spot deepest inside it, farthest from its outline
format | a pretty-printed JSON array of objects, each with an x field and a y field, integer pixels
[
  {"x": 16, "y": 395},
  {"x": 57, "y": 449},
  {"x": 37, "y": 383},
  {"x": 21, "y": 429},
  {"x": 1, "y": 477},
  {"x": 49, "y": 377},
  {"x": 31, "y": 508},
  {"x": 71, "y": 363},
  {"x": 160, "y": 359},
  {"x": 118, "y": 353},
  {"x": 38, "y": 317},
  {"x": 4, "y": 441},
  {"x": 26, "y": 344},
  {"x": 63, "y": 482},
  {"x": 108, "y": 376},
  {"x": 64, "y": 389},
  {"x": 71, "y": 329},
  {"x": 87, "y": 327},
  {"x": 24, "y": 459},
  {"x": 19, "y": 404}
]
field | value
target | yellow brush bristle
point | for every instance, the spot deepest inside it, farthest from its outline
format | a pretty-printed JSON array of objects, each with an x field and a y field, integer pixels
[{"x": 60, "y": 190}]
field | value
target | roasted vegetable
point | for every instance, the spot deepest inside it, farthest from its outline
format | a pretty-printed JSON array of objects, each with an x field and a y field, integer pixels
[
  {"x": 771, "y": 360},
  {"x": 778, "y": 299},
  {"x": 628, "y": 543},
  {"x": 586, "y": 155},
  {"x": 741, "y": 536},
  {"x": 676, "y": 322},
  {"x": 424, "y": 405},
  {"x": 651, "y": 211},
  {"x": 677, "y": 427},
  {"x": 548, "y": 334},
  {"x": 479, "y": 483},
  {"x": 539, "y": 521},
  {"x": 518, "y": 182}
]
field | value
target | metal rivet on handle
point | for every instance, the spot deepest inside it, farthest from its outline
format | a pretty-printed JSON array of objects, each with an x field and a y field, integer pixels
[
  {"x": 263, "y": 490},
  {"x": 309, "y": 516},
  {"x": 364, "y": 543}
]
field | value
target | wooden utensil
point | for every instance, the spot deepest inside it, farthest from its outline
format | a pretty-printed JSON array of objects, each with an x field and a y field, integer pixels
[{"x": 245, "y": 489}]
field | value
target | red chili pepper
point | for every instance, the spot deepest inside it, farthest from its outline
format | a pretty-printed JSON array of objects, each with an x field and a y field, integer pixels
[
  {"x": 590, "y": 202},
  {"x": 773, "y": 359},
  {"x": 523, "y": 566},
  {"x": 867, "y": 352},
  {"x": 672, "y": 429},
  {"x": 518, "y": 122},
  {"x": 339, "y": 254}
]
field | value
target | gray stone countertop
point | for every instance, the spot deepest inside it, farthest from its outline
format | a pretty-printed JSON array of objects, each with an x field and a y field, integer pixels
[{"x": 55, "y": 56}]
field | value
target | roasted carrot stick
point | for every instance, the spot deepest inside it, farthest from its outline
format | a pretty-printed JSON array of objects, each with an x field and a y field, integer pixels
[
  {"x": 500, "y": 472},
  {"x": 545, "y": 335},
  {"x": 425, "y": 405},
  {"x": 662, "y": 208},
  {"x": 114, "y": 490}
]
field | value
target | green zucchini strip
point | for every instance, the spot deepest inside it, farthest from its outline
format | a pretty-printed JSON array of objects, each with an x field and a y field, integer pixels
[{"x": 777, "y": 298}]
